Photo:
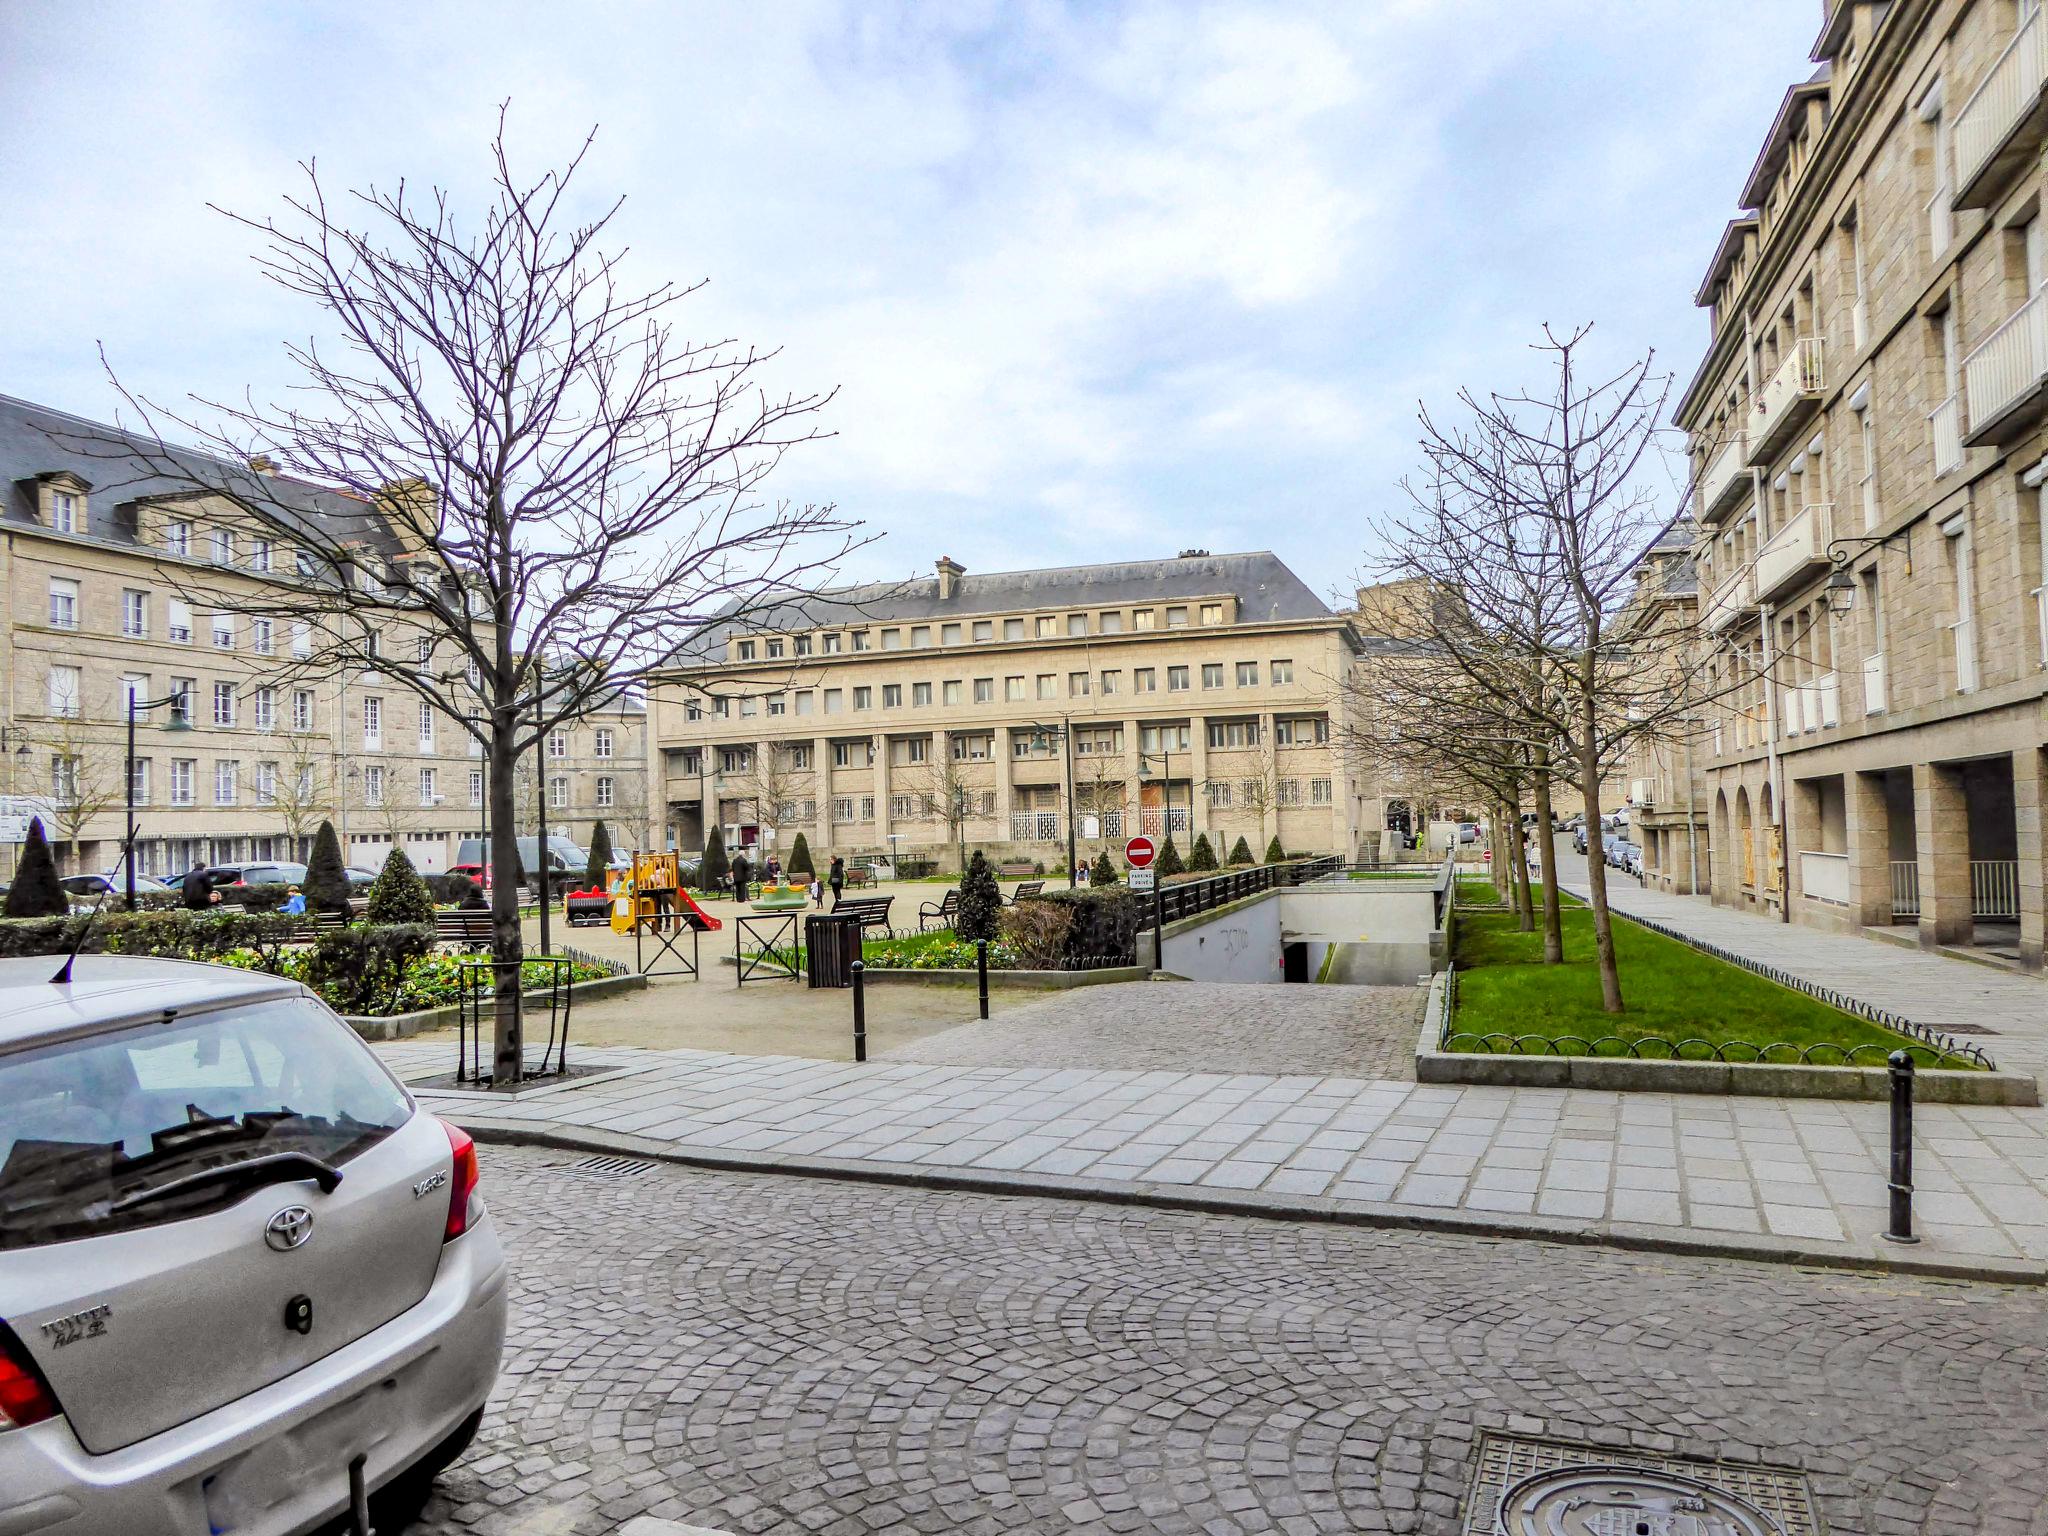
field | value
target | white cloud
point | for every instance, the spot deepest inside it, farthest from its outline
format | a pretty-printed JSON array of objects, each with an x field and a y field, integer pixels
[{"x": 1095, "y": 281}]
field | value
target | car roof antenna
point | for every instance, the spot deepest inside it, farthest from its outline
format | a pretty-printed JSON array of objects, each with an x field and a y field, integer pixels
[{"x": 63, "y": 976}]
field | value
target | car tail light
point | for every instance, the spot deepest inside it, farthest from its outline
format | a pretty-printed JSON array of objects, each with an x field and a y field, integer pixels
[
  {"x": 25, "y": 1398},
  {"x": 462, "y": 1181}
]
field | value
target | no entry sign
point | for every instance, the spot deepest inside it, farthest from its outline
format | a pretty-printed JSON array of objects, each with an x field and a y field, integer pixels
[{"x": 1139, "y": 853}]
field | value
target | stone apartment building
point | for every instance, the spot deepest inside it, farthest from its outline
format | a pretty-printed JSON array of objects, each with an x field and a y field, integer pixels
[
  {"x": 1869, "y": 432},
  {"x": 595, "y": 769},
  {"x": 118, "y": 583},
  {"x": 1666, "y": 791},
  {"x": 1187, "y": 695}
]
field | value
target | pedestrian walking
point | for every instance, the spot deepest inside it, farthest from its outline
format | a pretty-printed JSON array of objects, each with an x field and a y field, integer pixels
[
  {"x": 837, "y": 879},
  {"x": 739, "y": 878}
]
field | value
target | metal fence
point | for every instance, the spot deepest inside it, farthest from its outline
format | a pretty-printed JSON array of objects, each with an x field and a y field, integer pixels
[{"x": 1185, "y": 898}]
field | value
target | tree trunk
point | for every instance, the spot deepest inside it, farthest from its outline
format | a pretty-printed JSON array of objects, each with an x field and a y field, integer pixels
[
  {"x": 1596, "y": 864},
  {"x": 1518, "y": 892},
  {"x": 508, "y": 1058},
  {"x": 1553, "y": 908}
]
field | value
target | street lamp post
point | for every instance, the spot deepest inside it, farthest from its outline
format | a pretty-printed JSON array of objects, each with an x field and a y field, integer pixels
[
  {"x": 181, "y": 720},
  {"x": 1064, "y": 731},
  {"x": 540, "y": 805}
]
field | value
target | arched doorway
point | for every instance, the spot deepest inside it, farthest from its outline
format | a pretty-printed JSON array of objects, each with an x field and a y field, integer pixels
[
  {"x": 1745, "y": 835},
  {"x": 1771, "y": 854},
  {"x": 1718, "y": 864}
]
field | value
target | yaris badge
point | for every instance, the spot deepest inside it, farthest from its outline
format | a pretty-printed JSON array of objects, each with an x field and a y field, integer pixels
[{"x": 289, "y": 1228}]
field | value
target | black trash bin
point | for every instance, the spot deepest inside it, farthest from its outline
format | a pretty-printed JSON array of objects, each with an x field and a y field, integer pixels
[{"x": 831, "y": 945}]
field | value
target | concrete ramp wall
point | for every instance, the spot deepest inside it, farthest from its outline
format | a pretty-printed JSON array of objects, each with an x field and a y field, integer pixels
[{"x": 1384, "y": 933}]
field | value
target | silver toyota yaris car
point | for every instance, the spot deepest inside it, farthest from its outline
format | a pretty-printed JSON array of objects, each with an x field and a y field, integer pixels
[{"x": 245, "y": 1283}]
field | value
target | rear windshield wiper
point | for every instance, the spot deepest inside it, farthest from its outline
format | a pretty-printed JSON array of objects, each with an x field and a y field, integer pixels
[{"x": 273, "y": 1168}]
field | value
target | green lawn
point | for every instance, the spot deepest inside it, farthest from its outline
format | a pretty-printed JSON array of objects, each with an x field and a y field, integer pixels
[
  {"x": 1484, "y": 892},
  {"x": 1670, "y": 990}
]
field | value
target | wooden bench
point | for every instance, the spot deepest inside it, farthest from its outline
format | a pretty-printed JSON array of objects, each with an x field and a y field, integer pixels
[
  {"x": 941, "y": 916},
  {"x": 1017, "y": 870},
  {"x": 873, "y": 911},
  {"x": 858, "y": 875},
  {"x": 1028, "y": 888},
  {"x": 470, "y": 930}
]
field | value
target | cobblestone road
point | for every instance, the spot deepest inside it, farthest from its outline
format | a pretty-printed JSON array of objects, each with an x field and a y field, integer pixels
[
  {"x": 764, "y": 1354},
  {"x": 1148, "y": 1026}
]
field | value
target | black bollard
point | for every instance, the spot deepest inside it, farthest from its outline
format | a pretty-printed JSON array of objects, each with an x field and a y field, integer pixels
[
  {"x": 981, "y": 972},
  {"x": 860, "y": 1012},
  {"x": 1902, "y": 1149}
]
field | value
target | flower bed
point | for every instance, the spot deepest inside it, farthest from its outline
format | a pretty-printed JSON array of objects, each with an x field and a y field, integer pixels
[
  {"x": 426, "y": 981},
  {"x": 940, "y": 950}
]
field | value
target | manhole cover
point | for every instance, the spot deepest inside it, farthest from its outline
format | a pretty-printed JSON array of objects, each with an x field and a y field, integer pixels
[{"x": 1531, "y": 1487}]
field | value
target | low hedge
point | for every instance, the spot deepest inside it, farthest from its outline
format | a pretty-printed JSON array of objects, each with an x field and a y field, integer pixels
[{"x": 1103, "y": 922}]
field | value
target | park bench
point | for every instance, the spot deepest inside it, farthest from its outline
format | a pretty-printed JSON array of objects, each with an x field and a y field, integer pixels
[
  {"x": 470, "y": 930},
  {"x": 941, "y": 916},
  {"x": 1017, "y": 869},
  {"x": 1028, "y": 888},
  {"x": 873, "y": 911},
  {"x": 859, "y": 874}
]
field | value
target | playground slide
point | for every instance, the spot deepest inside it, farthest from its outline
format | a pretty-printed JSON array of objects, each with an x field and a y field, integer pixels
[{"x": 699, "y": 919}]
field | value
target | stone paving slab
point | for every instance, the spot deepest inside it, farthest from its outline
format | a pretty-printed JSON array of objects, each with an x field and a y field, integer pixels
[{"x": 1750, "y": 1175}]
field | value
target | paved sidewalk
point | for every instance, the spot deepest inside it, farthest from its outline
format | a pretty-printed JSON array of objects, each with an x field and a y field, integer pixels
[
  {"x": 2002, "y": 1011},
  {"x": 1801, "y": 1177}
]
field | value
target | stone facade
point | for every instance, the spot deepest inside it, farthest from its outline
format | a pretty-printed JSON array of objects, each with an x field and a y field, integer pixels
[
  {"x": 1870, "y": 438},
  {"x": 1193, "y": 695},
  {"x": 109, "y": 591}
]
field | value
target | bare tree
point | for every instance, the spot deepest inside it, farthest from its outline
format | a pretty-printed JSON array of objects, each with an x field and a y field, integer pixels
[
  {"x": 531, "y": 464},
  {"x": 301, "y": 797},
  {"x": 87, "y": 753},
  {"x": 951, "y": 794},
  {"x": 772, "y": 783},
  {"x": 1533, "y": 513}
]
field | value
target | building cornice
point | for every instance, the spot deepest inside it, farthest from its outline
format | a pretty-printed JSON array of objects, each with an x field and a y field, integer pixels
[{"x": 1867, "y": 86}]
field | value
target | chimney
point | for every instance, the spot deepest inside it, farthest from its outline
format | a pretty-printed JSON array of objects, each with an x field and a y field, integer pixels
[
  {"x": 263, "y": 464},
  {"x": 950, "y": 573}
]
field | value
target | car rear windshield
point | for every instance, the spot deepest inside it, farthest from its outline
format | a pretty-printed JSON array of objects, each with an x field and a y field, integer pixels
[{"x": 88, "y": 1125}]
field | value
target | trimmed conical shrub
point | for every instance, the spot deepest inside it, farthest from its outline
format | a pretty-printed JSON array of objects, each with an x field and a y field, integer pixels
[
  {"x": 1201, "y": 858},
  {"x": 716, "y": 873},
  {"x": 400, "y": 895},
  {"x": 1275, "y": 854},
  {"x": 326, "y": 885},
  {"x": 800, "y": 857},
  {"x": 35, "y": 892},
  {"x": 1240, "y": 852},
  {"x": 981, "y": 902},
  {"x": 1102, "y": 871},
  {"x": 598, "y": 870},
  {"x": 1169, "y": 861}
]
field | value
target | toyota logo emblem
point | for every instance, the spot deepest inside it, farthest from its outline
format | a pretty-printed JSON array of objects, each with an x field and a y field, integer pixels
[{"x": 289, "y": 1228}]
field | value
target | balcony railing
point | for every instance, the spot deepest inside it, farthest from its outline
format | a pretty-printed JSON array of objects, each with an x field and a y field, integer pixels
[
  {"x": 2007, "y": 367},
  {"x": 1733, "y": 598},
  {"x": 1945, "y": 425},
  {"x": 1796, "y": 551},
  {"x": 1964, "y": 634},
  {"x": 1824, "y": 877},
  {"x": 1791, "y": 396},
  {"x": 2008, "y": 98},
  {"x": 1810, "y": 706},
  {"x": 1873, "y": 684},
  {"x": 1995, "y": 888},
  {"x": 1905, "y": 889},
  {"x": 1034, "y": 827},
  {"x": 1726, "y": 475}
]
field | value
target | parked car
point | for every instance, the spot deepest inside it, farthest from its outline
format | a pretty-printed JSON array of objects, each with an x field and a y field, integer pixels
[
  {"x": 114, "y": 882},
  {"x": 234, "y": 881},
  {"x": 1614, "y": 848},
  {"x": 241, "y": 1271},
  {"x": 566, "y": 862},
  {"x": 1634, "y": 862},
  {"x": 1579, "y": 838},
  {"x": 1468, "y": 831}
]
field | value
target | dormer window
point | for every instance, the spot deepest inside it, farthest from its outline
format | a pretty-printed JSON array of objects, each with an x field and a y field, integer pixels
[
  {"x": 223, "y": 547},
  {"x": 178, "y": 538},
  {"x": 63, "y": 511},
  {"x": 746, "y": 650}
]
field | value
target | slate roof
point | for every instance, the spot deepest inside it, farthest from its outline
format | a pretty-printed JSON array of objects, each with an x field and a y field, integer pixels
[
  {"x": 40, "y": 440},
  {"x": 1265, "y": 589}
]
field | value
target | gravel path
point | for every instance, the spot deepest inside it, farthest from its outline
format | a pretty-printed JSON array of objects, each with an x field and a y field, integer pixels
[{"x": 1194, "y": 1026}]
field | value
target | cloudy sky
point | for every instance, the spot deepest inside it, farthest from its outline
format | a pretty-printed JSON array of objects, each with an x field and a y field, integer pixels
[{"x": 1094, "y": 281}]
